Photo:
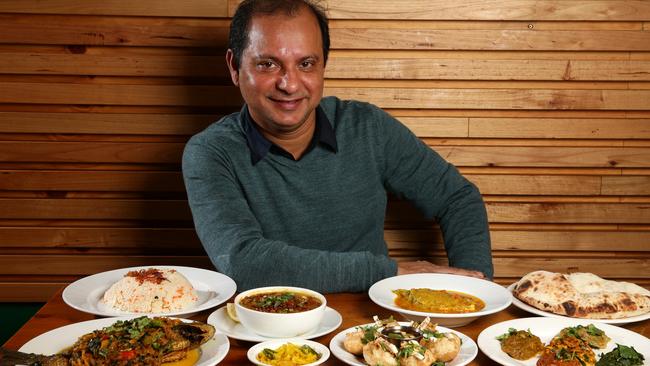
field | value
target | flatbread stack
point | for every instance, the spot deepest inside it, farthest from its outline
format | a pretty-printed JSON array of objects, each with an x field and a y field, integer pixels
[{"x": 582, "y": 295}]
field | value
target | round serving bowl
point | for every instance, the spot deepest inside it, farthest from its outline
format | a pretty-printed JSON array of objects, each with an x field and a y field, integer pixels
[
  {"x": 280, "y": 325},
  {"x": 495, "y": 297}
]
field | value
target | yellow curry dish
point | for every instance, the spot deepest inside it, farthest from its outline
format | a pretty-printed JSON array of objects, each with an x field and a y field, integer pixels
[
  {"x": 288, "y": 354},
  {"x": 437, "y": 301}
]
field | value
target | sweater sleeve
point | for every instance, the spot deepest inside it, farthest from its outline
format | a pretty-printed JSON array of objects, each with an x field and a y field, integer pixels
[
  {"x": 417, "y": 173},
  {"x": 235, "y": 243}
]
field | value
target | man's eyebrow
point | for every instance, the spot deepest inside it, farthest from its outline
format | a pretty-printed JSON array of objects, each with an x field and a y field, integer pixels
[
  {"x": 264, "y": 57},
  {"x": 271, "y": 57}
]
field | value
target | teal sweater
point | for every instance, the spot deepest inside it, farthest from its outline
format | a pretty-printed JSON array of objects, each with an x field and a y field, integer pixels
[{"x": 318, "y": 222}]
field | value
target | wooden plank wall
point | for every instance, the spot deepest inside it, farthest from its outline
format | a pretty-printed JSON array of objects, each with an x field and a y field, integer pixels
[{"x": 545, "y": 105}]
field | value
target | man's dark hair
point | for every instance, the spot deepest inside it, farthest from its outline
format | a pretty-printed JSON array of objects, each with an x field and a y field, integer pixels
[{"x": 240, "y": 24}]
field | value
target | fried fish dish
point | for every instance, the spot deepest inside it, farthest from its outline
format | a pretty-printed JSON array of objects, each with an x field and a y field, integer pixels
[{"x": 139, "y": 341}]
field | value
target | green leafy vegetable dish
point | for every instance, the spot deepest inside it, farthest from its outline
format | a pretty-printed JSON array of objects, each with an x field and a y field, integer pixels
[{"x": 621, "y": 356}]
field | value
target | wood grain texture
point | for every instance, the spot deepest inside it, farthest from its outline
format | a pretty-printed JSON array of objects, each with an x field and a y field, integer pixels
[
  {"x": 110, "y": 94},
  {"x": 484, "y": 10},
  {"x": 119, "y": 64},
  {"x": 157, "y": 8},
  {"x": 104, "y": 123},
  {"x": 483, "y": 68},
  {"x": 112, "y": 31},
  {"x": 491, "y": 10},
  {"x": 488, "y": 39},
  {"x": 539, "y": 99},
  {"x": 544, "y": 105}
]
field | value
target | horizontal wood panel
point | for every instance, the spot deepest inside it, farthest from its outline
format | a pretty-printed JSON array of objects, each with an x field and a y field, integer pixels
[
  {"x": 570, "y": 240},
  {"x": 104, "y": 123},
  {"x": 613, "y": 268},
  {"x": 504, "y": 267},
  {"x": 425, "y": 241},
  {"x": 228, "y": 96},
  {"x": 29, "y": 291},
  {"x": 178, "y": 32},
  {"x": 95, "y": 152},
  {"x": 493, "y": 156},
  {"x": 166, "y": 8},
  {"x": 172, "y": 181},
  {"x": 485, "y": 69},
  {"x": 72, "y": 265},
  {"x": 338, "y": 67},
  {"x": 536, "y": 185},
  {"x": 189, "y": 124},
  {"x": 550, "y": 128},
  {"x": 626, "y": 185},
  {"x": 538, "y": 99},
  {"x": 113, "y": 31},
  {"x": 437, "y": 126},
  {"x": 113, "y": 181},
  {"x": 602, "y": 213},
  {"x": 501, "y": 212},
  {"x": 99, "y": 237},
  {"x": 401, "y": 214},
  {"x": 359, "y": 9},
  {"x": 542, "y": 156},
  {"x": 420, "y": 240},
  {"x": 489, "y": 39},
  {"x": 115, "y": 65},
  {"x": 109, "y": 94},
  {"x": 489, "y": 10},
  {"x": 88, "y": 209}
]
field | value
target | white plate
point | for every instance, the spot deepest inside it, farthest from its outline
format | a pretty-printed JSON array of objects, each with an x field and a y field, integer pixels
[
  {"x": 220, "y": 320},
  {"x": 56, "y": 340},
  {"x": 275, "y": 344},
  {"x": 546, "y": 328},
  {"x": 496, "y": 297},
  {"x": 213, "y": 288},
  {"x": 468, "y": 349},
  {"x": 523, "y": 306}
]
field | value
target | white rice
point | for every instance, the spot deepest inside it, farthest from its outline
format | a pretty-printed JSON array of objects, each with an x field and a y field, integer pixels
[{"x": 166, "y": 291}]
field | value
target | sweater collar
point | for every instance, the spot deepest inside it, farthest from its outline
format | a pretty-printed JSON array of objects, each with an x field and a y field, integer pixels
[{"x": 260, "y": 146}]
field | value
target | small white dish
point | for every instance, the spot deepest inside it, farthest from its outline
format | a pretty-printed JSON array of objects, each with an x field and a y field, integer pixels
[
  {"x": 86, "y": 294},
  {"x": 546, "y": 329},
  {"x": 468, "y": 348},
  {"x": 222, "y": 322},
  {"x": 496, "y": 297},
  {"x": 276, "y": 343},
  {"x": 523, "y": 306},
  {"x": 56, "y": 340}
]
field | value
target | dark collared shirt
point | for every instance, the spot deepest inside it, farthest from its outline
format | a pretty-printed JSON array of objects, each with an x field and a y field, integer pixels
[{"x": 260, "y": 145}]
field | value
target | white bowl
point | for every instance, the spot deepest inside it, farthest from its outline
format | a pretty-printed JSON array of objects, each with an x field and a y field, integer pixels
[
  {"x": 276, "y": 343},
  {"x": 496, "y": 297},
  {"x": 280, "y": 325}
]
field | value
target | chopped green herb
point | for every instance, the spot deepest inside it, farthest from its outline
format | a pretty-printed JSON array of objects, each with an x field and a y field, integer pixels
[{"x": 621, "y": 356}]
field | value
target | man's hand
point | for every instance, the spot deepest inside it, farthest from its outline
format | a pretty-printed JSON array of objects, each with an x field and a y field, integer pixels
[{"x": 428, "y": 267}]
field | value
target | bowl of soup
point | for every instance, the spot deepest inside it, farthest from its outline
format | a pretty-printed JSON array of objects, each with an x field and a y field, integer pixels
[{"x": 280, "y": 311}]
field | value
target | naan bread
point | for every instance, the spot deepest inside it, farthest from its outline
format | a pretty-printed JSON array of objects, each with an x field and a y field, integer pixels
[{"x": 582, "y": 295}]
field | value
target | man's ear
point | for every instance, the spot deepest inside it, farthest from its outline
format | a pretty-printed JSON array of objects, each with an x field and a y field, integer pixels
[{"x": 234, "y": 71}]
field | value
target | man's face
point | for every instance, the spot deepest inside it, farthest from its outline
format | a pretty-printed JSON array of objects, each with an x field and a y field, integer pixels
[{"x": 281, "y": 71}]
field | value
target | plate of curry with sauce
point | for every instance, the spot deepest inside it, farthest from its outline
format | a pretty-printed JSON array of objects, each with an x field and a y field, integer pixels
[
  {"x": 449, "y": 300},
  {"x": 566, "y": 342}
]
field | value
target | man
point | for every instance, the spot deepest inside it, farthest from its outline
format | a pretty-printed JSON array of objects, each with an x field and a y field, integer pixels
[{"x": 292, "y": 189}]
